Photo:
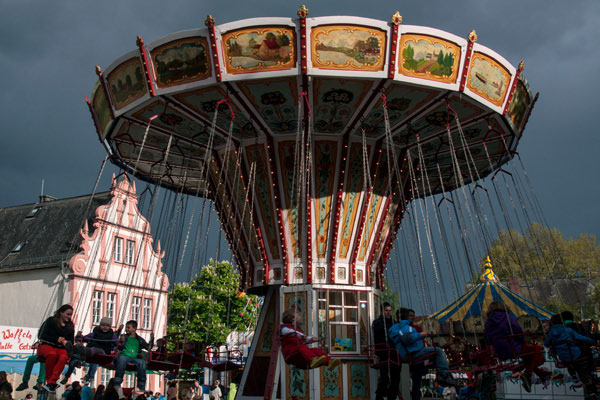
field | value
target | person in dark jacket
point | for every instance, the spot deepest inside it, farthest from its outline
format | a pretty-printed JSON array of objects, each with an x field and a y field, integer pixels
[
  {"x": 102, "y": 340},
  {"x": 75, "y": 361},
  {"x": 389, "y": 372},
  {"x": 566, "y": 343},
  {"x": 131, "y": 346},
  {"x": 55, "y": 334},
  {"x": 503, "y": 332}
]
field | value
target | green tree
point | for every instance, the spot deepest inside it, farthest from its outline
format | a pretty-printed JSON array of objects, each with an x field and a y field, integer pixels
[
  {"x": 541, "y": 253},
  {"x": 210, "y": 306}
]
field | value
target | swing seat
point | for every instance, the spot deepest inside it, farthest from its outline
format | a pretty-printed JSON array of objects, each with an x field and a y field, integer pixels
[
  {"x": 157, "y": 362},
  {"x": 297, "y": 360},
  {"x": 381, "y": 355},
  {"x": 225, "y": 366},
  {"x": 186, "y": 360},
  {"x": 102, "y": 359}
]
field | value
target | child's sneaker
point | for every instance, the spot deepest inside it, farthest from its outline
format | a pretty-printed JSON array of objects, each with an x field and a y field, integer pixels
[
  {"x": 333, "y": 363},
  {"x": 317, "y": 361},
  {"x": 22, "y": 386},
  {"x": 64, "y": 381}
]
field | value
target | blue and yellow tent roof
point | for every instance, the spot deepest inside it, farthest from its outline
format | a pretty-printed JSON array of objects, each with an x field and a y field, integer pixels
[{"x": 477, "y": 300}]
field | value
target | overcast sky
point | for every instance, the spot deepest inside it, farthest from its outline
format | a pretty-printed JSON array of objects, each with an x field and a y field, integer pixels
[{"x": 48, "y": 50}]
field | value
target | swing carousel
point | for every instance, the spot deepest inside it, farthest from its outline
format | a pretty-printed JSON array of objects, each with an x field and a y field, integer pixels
[{"x": 311, "y": 136}]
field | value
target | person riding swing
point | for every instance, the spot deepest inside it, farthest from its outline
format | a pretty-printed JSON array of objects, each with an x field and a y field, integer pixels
[{"x": 294, "y": 345}]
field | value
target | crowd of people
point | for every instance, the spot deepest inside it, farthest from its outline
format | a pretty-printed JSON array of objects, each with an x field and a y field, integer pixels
[
  {"x": 399, "y": 341},
  {"x": 59, "y": 347}
]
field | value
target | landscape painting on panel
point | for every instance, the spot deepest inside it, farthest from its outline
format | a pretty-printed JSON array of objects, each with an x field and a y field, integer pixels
[
  {"x": 518, "y": 105},
  {"x": 488, "y": 78},
  {"x": 429, "y": 58},
  {"x": 348, "y": 47},
  {"x": 101, "y": 108},
  {"x": 181, "y": 62},
  {"x": 254, "y": 50},
  {"x": 127, "y": 83}
]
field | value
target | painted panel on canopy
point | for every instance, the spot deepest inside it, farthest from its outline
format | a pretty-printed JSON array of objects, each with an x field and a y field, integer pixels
[
  {"x": 276, "y": 100},
  {"x": 353, "y": 187},
  {"x": 181, "y": 61},
  {"x": 173, "y": 120},
  {"x": 434, "y": 122},
  {"x": 101, "y": 108},
  {"x": 259, "y": 49},
  {"x": 127, "y": 83},
  {"x": 488, "y": 78},
  {"x": 264, "y": 197},
  {"x": 287, "y": 152},
  {"x": 428, "y": 57},
  {"x": 402, "y": 101},
  {"x": 335, "y": 101},
  {"x": 325, "y": 158},
  {"x": 381, "y": 190},
  {"x": 230, "y": 219},
  {"x": 518, "y": 104},
  {"x": 358, "y": 382},
  {"x": 348, "y": 47},
  {"x": 238, "y": 190},
  {"x": 331, "y": 383},
  {"x": 204, "y": 102}
]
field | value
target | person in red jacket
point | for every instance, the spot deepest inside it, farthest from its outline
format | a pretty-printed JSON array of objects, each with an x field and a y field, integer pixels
[{"x": 294, "y": 345}]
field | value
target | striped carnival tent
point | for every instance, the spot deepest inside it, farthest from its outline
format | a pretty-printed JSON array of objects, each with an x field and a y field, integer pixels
[{"x": 477, "y": 300}]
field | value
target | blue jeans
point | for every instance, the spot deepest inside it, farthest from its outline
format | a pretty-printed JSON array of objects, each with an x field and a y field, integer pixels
[
  {"x": 92, "y": 368},
  {"x": 72, "y": 364},
  {"x": 141, "y": 371},
  {"x": 441, "y": 363}
]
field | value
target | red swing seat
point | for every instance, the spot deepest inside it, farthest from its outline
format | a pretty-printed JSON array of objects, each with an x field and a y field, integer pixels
[
  {"x": 230, "y": 362},
  {"x": 375, "y": 351},
  {"x": 157, "y": 362},
  {"x": 102, "y": 359}
]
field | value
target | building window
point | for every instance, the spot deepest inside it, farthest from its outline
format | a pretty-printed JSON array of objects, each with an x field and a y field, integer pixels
[
  {"x": 118, "y": 250},
  {"x": 343, "y": 320},
  {"x": 129, "y": 252},
  {"x": 111, "y": 302},
  {"x": 147, "y": 313},
  {"x": 135, "y": 308},
  {"x": 96, "y": 307},
  {"x": 105, "y": 375}
]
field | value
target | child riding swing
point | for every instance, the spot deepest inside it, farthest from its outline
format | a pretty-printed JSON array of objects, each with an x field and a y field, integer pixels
[{"x": 294, "y": 345}]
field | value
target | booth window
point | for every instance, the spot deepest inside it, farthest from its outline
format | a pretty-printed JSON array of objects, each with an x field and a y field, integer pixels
[{"x": 343, "y": 320}]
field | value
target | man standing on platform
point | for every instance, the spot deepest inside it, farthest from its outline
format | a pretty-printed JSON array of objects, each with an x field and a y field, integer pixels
[{"x": 390, "y": 367}]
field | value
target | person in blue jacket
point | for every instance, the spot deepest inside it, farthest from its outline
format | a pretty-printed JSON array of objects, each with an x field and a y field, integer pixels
[
  {"x": 409, "y": 345},
  {"x": 566, "y": 344}
]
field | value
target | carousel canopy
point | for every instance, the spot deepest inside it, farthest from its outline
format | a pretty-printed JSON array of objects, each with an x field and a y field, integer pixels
[{"x": 477, "y": 300}]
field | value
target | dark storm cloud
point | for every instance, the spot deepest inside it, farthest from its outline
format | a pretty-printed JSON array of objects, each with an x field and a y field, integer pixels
[{"x": 48, "y": 51}]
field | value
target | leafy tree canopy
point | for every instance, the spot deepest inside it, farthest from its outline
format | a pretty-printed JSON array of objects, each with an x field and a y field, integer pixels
[
  {"x": 210, "y": 306},
  {"x": 542, "y": 253}
]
